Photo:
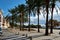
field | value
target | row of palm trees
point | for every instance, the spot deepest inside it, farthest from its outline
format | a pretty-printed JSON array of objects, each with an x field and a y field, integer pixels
[
  {"x": 19, "y": 11},
  {"x": 34, "y": 6}
]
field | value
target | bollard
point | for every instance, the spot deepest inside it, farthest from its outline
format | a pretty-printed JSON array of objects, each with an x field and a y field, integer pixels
[
  {"x": 59, "y": 32},
  {"x": 26, "y": 35},
  {"x": 23, "y": 34}
]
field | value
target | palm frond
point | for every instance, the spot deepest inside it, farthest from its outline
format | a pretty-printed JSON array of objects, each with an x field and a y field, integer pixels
[{"x": 56, "y": 10}]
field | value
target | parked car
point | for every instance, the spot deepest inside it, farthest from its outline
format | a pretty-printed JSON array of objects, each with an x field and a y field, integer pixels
[{"x": 0, "y": 30}]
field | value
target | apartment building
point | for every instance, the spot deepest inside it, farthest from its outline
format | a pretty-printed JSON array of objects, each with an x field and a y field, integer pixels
[{"x": 3, "y": 22}]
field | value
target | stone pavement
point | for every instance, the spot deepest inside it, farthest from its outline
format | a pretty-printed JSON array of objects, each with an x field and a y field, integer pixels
[{"x": 34, "y": 34}]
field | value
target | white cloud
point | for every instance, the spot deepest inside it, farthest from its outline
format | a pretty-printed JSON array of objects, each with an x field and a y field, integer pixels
[{"x": 42, "y": 19}]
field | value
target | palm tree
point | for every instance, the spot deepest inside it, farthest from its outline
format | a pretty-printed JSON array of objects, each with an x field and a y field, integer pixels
[
  {"x": 12, "y": 11},
  {"x": 8, "y": 17},
  {"x": 38, "y": 4},
  {"x": 29, "y": 5},
  {"x": 47, "y": 6},
  {"x": 21, "y": 9},
  {"x": 53, "y": 5}
]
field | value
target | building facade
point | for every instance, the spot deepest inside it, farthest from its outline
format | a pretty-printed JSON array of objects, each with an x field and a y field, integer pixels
[{"x": 3, "y": 22}]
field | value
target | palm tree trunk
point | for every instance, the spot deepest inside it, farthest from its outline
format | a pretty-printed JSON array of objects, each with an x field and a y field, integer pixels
[
  {"x": 51, "y": 31},
  {"x": 23, "y": 24},
  {"x": 46, "y": 31},
  {"x": 23, "y": 21},
  {"x": 53, "y": 5},
  {"x": 12, "y": 22},
  {"x": 29, "y": 21},
  {"x": 20, "y": 22},
  {"x": 38, "y": 19}
]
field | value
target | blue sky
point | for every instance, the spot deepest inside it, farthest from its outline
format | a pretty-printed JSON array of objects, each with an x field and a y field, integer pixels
[{"x": 7, "y": 4}]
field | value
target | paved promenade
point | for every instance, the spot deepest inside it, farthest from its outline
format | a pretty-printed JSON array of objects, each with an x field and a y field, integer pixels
[{"x": 34, "y": 34}]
